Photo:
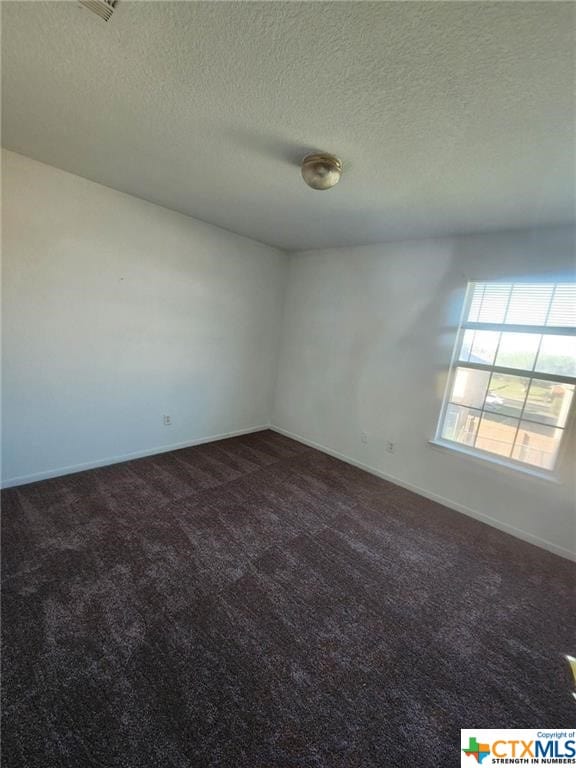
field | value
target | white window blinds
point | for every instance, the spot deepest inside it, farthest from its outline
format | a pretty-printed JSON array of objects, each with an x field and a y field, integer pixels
[{"x": 511, "y": 386}]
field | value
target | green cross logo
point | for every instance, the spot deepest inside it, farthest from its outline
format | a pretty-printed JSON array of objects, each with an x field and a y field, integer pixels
[{"x": 479, "y": 751}]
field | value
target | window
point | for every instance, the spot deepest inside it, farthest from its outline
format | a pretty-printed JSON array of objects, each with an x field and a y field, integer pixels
[{"x": 512, "y": 379}]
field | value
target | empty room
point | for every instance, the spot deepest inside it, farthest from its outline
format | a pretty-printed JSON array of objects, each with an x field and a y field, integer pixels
[{"x": 288, "y": 372}]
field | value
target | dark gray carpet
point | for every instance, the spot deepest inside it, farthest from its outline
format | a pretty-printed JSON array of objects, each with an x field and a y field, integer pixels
[{"x": 254, "y": 603}]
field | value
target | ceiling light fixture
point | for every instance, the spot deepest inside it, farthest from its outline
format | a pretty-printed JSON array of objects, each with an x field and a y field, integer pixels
[{"x": 321, "y": 170}]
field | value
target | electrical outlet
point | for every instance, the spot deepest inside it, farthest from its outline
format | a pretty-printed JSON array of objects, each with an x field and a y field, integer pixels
[
  {"x": 167, "y": 420},
  {"x": 363, "y": 437},
  {"x": 390, "y": 446}
]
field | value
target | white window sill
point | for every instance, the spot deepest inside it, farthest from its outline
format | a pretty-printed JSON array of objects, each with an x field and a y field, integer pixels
[{"x": 488, "y": 458}]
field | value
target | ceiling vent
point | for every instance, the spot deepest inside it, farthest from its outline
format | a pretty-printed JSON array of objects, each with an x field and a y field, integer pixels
[{"x": 102, "y": 8}]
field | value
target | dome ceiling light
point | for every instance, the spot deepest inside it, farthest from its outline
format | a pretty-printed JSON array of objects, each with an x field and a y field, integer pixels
[{"x": 321, "y": 170}]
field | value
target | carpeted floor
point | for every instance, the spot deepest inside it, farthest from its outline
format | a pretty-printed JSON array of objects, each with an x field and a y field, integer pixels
[{"x": 254, "y": 603}]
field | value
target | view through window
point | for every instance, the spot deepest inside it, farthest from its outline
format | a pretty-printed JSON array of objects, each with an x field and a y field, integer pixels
[{"x": 512, "y": 381}]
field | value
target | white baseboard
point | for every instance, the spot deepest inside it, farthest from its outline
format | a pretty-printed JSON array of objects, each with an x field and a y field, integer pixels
[
  {"x": 59, "y": 471},
  {"x": 456, "y": 506}
]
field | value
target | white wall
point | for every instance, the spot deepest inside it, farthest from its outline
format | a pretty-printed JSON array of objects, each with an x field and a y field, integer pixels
[
  {"x": 117, "y": 311},
  {"x": 367, "y": 339}
]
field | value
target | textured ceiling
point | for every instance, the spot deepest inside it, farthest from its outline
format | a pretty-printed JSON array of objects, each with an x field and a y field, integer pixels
[{"x": 449, "y": 117}]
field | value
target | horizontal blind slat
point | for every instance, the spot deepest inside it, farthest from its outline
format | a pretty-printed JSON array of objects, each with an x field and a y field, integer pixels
[{"x": 523, "y": 304}]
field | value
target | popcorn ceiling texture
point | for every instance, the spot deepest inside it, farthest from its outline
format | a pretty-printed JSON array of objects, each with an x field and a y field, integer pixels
[{"x": 450, "y": 117}]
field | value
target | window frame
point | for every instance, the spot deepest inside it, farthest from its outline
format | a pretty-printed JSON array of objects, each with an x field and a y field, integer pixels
[{"x": 543, "y": 330}]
